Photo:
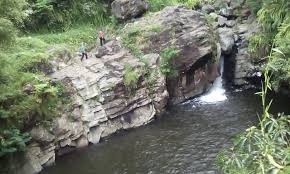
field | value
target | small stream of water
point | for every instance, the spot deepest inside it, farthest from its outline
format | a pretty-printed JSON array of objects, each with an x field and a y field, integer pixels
[{"x": 186, "y": 140}]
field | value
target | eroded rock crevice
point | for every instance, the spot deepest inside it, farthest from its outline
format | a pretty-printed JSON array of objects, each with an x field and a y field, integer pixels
[
  {"x": 234, "y": 32},
  {"x": 194, "y": 81}
]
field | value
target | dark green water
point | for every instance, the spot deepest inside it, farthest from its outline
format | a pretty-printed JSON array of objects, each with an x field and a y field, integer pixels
[{"x": 185, "y": 140}]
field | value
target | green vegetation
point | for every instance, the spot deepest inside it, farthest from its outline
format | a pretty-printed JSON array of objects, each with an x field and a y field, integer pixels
[
  {"x": 131, "y": 39},
  {"x": 266, "y": 149},
  {"x": 131, "y": 78},
  {"x": 261, "y": 150},
  {"x": 157, "y": 5},
  {"x": 151, "y": 80},
  {"x": 34, "y": 31},
  {"x": 61, "y": 14},
  {"x": 274, "y": 17},
  {"x": 137, "y": 39},
  {"x": 13, "y": 141},
  {"x": 167, "y": 65},
  {"x": 30, "y": 35}
]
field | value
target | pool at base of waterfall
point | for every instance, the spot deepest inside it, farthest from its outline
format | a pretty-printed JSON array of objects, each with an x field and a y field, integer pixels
[{"x": 185, "y": 140}]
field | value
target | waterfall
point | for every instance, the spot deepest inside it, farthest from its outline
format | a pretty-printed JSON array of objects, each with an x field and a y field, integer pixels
[{"x": 217, "y": 92}]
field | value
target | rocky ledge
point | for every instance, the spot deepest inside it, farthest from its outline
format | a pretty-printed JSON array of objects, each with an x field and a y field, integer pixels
[
  {"x": 102, "y": 103},
  {"x": 235, "y": 25}
]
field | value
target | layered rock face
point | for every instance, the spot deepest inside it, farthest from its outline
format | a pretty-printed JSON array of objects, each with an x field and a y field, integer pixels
[
  {"x": 234, "y": 29},
  {"x": 101, "y": 103},
  {"x": 126, "y": 9},
  {"x": 188, "y": 33}
]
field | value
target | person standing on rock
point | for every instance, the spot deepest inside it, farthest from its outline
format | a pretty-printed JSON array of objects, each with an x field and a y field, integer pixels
[
  {"x": 83, "y": 51},
  {"x": 102, "y": 38}
]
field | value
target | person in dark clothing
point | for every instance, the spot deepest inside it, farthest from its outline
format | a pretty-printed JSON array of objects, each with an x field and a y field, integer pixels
[
  {"x": 102, "y": 38},
  {"x": 83, "y": 51}
]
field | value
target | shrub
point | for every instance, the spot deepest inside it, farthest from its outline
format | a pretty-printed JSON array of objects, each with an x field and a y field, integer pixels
[
  {"x": 129, "y": 40},
  {"x": 166, "y": 65},
  {"x": 61, "y": 14},
  {"x": 7, "y": 31},
  {"x": 131, "y": 78},
  {"x": 26, "y": 96},
  {"x": 156, "y": 5},
  {"x": 274, "y": 18},
  {"x": 14, "y": 11},
  {"x": 259, "y": 46},
  {"x": 12, "y": 140},
  {"x": 260, "y": 150},
  {"x": 264, "y": 149},
  {"x": 255, "y": 5}
]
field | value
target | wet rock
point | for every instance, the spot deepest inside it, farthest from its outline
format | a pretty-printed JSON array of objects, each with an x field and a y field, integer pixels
[
  {"x": 126, "y": 9},
  {"x": 37, "y": 157},
  {"x": 82, "y": 142},
  {"x": 94, "y": 135}
]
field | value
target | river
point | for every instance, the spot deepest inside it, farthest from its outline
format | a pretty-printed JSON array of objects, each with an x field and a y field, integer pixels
[{"x": 185, "y": 140}]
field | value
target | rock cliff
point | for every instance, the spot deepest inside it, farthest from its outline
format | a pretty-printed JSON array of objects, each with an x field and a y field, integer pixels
[
  {"x": 235, "y": 25},
  {"x": 191, "y": 36},
  {"x": 126, "y": 9},
  {"x": 102, "y": 98}
]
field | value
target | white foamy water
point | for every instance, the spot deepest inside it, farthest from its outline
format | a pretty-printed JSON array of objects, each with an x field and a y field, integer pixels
[{"x": 217, "y": 92}]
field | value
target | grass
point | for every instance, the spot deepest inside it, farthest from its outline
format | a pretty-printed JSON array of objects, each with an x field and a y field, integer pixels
[
  {"x": 21, "y": 65},
  {"x": 157, "y": 5},
  {"x": 131, "y": 78},
  {"x": 71, "y": 38},
  {"x": 136, "y": 39}
]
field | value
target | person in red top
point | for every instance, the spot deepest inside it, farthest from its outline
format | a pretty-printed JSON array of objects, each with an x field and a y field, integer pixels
[{"x": 102, "y": 38}]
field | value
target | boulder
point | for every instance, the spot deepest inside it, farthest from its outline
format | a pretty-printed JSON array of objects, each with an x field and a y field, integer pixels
[
  {"x": 41, "y": 135},
  {"x": 244, "y": 66},
  {"x": 188, "y": 34},
  {"x": 214, "y": 16},
  {"x": 227, "y": 12},
  {"x": 226, "y": 39},
  {"x": 207, "y": 9},
  {"x": 230, "y": 23},
  {"x": 82, "y": 142},
  {"x": 221, "y": 21},
  {"x": 126, "y": 9}
]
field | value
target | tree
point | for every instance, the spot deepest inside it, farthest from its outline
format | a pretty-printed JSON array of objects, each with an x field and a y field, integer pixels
[{"x": 14, "y": 10}]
